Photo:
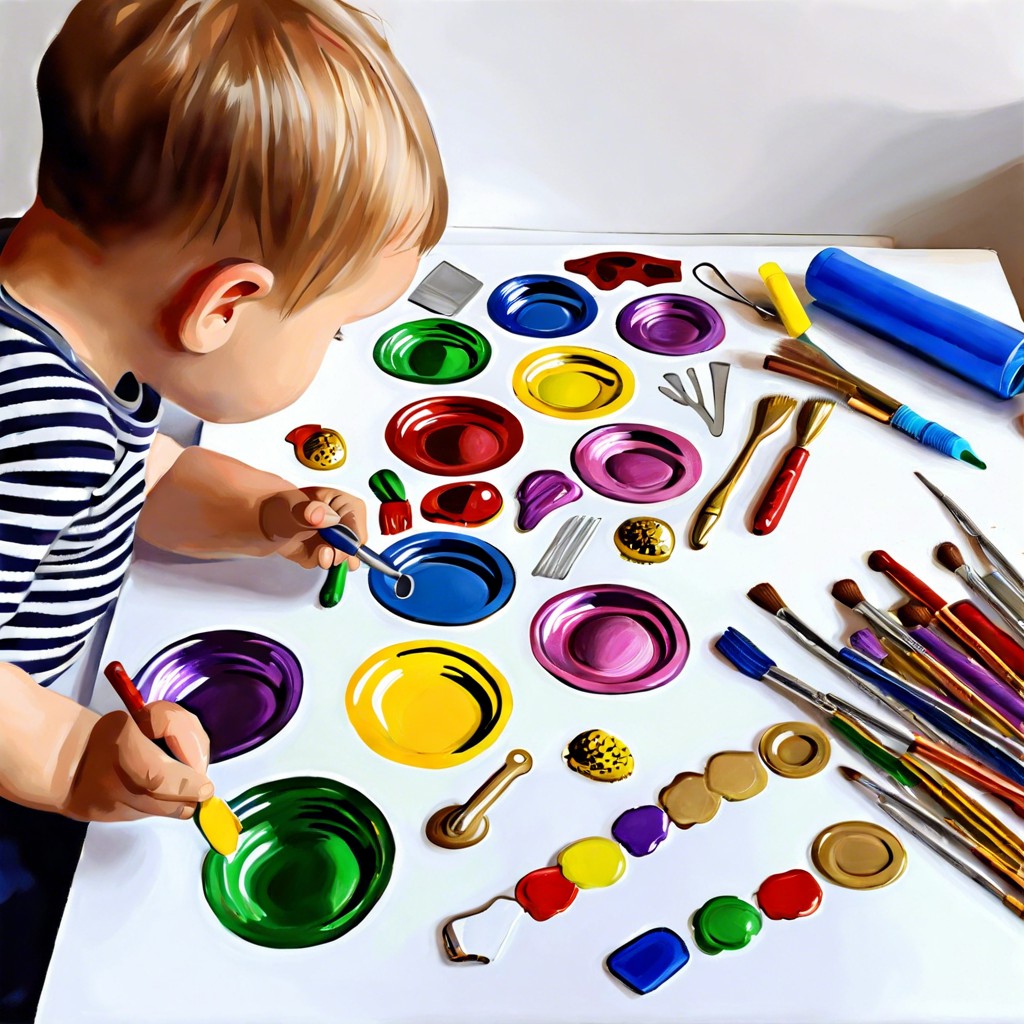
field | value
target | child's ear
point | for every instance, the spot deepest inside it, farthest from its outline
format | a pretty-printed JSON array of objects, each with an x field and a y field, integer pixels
[{"x": 208, "y": 308}]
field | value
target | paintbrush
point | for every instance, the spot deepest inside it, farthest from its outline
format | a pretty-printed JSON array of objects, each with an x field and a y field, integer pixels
[
  {"x": 939, "y": 721},
  {"x": 949, "y": 557},
  {"x": 772, "y": 411},
  {"x": 885, "y": 794},
  {"x": 810, "y": 422},
  {"x": 345, "y": 540},
  {"x": 963, "y": 619},
  {"x": 916, "y": 618},
  {"x": 395, "y": 514},
  {"x": 917, "y": 662},
  {"x": 905, "y": 768},
  {"x": 1008, "y": 583},
  {"x": 805, "y": 360}
]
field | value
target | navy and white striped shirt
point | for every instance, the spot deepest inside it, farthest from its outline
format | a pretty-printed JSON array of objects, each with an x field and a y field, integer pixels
[{"x": 72, "y": 482}]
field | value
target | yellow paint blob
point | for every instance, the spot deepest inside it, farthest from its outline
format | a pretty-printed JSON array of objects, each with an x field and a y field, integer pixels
[
  {"x": 219, "y": 826},
  {"x": 428, "y": 703},
  {"x": 573, "y": 383},
  {"x": 569, "y": 390},
  {"x": 593, "y": 863},
  {"x": 736, "y": 774}
]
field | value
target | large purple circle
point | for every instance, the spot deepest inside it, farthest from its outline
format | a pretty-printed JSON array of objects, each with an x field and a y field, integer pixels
[
  {"x": 636, "y": 462},
  {"x": 242, "y": 686},
  {"x": 609, "y": 639},
  {"x": 670, "y": 324}
]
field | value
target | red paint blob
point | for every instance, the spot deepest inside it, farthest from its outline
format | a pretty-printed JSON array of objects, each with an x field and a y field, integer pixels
[
  {"x": 464, "y": 504},
  {"x": 607, "y": 270},
  {"x": 789, "y": 895},
  {"x": 545, "y": 892}
]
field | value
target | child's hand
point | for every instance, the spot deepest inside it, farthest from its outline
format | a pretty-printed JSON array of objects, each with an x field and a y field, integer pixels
[
  {"x": 123, "y": 775},
  {"x": 293, "y": 518}
]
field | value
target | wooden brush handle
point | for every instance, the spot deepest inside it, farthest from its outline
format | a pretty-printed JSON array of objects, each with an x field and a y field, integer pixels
[
  {"x": 971, "y": 770},
  {"x": 779, "y": 491}
]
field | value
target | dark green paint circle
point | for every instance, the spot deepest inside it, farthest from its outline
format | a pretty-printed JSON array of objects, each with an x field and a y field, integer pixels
[
  {"x": 432, "y": 351},
  {"x": 313, "y": 858},
  {"x": 725, "y": 922}
]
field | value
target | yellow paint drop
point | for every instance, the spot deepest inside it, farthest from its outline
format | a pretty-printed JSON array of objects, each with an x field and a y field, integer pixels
[
  {"x": 568, "y": 390},
  {"x": 736, "y": 774},
  {"x": 593, "y": 863},
  {"x": 219, "y": 826}
]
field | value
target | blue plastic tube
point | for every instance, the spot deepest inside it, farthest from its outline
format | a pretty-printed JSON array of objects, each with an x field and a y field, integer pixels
[{"x": 963, "y": 341}]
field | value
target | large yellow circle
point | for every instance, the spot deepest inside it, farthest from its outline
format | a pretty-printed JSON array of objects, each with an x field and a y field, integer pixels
[
  {"x": 573, "y": 383},
  {"x": 428, "y": 703}
]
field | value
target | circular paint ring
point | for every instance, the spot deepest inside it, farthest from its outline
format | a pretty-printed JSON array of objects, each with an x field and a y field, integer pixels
[
  {"x": 669, "y": 324},
  {"x": 432, "y": 351},
  {"x": 636, "y": 462},
  {"x": 428, "y": 703},
  {"x": 313, "y": 858},
  {"x": 858, "y": 855},
  {"x": 794, "y": 750},
  {"x": 541, "y": 306},
  {"x": 609, "y": 639},
  {"x": 457, "y": 579},
  {"x": 573, "y": 383},
  {"x": 454, "y": 435},
  {"x": 243, "y": 687}
]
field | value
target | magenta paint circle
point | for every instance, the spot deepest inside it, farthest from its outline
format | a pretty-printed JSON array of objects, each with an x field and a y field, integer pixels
[
  {"x": 609, "y": 639},
  {"x": 242, "y": 686},
  {"x": 669, "y": 324},
  {"x": 636, "y": 462}
]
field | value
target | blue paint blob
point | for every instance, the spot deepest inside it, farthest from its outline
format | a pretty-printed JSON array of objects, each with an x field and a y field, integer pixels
[
  {"x": 649, "y": 960},
  {"x": 458, "y": 579},
  {"x": 541, "y": 306}
]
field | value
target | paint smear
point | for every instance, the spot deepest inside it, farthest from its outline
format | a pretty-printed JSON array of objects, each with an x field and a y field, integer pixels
[
  {"x": 540, "y": 493},
  {"x": 593, "y": 863},
  {"x": 313, "y": 858},
  {"x": 789, "y": 895},
  {"x": 428, "y": 703},
  {"x": 735, "y": 774},
  {"x": 858, "y": 855},
  {"x": 725, "y": 923},
  {"x": 242, "y": 686},
  {"x": 688, "y": 800},
  {"x": 545, "y": 892}
]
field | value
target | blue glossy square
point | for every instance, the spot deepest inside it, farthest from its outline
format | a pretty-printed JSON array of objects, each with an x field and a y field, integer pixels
[{"x": 649, "y": 960}]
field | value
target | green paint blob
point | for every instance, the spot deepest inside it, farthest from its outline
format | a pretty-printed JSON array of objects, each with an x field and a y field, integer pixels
[
  {"x": 333, "y": 589},
  {"x": 386, "y": 486},
  {"x": 313, "y": 858},
  {"x": 725, "y": 922},
  {"x": 432, "y": 351}
]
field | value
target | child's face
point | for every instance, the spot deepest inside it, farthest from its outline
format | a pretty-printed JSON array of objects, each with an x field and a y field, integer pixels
[{"x": 271, "y": 358}]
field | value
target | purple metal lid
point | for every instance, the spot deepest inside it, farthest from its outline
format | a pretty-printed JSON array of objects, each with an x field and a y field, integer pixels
[
  {"x": 636, "y": 462},
  {"x": 609, "y": 639},
  {"x": 243, "y": 687},
  {"x": 670, "y": 324}
]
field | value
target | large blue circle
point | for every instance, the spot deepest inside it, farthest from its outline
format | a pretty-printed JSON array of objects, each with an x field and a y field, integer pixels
[
  {"x": 458, "y": 579},
  {"x": 541, "y": 306}
]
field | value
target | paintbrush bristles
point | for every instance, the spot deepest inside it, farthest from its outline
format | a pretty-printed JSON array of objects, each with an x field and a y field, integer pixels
[
  {"x": 949, "y": 556},
  {"x": 806, "y": 352},
  {"x": 814, "y": 414},
  {"x": 766, "y": 597},
  {"x": 850, "y": 773},
  {"x": 913, "y": 613},
  {"x": 847, "y": 592},
  {"x": 772, "y": 412}
]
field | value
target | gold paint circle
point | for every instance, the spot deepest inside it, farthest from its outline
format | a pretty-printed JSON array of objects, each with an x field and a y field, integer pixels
[
  {"x": 645, "y": 539},
  {"x": 735, "y": 774},
  {"x": 688, "y": 801},
  {"x": 573, "y": 383},
  {"x": 794, "y": 750},
  {"x": 858, "y": 855}
]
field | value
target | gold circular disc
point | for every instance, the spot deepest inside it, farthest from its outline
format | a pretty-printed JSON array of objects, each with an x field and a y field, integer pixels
[
  {"x": 794, "y": 750},
  {"x": 645, "y": 539},
  {"x": 735, "y": 774},
  {"x": 858, "y": 855}
]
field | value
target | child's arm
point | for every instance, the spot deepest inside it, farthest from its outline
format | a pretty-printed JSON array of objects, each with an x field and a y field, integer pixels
[
  {"x": 58, "y": 756},
  {"x": 208, "y": 505}
]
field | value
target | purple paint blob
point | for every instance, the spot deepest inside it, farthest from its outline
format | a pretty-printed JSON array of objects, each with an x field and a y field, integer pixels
[
  {"x": 609, "y": 639},
  {"x": 641, "y": 830},
  {"x": 669, "y": 324},
  {"x": 242, "y": 686},
  {"x": 636, "y": 462},
  {"x": 541, "y": 493}
]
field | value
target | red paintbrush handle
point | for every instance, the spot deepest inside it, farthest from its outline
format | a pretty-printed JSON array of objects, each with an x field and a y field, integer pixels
[
  {"x": 882, "y": 561},
  {"x": 973, "y": 771},
  {"x": 125, "y": 688},
  {"x": 779, "y": 491},
  {"x": 1001, "y": 644}
]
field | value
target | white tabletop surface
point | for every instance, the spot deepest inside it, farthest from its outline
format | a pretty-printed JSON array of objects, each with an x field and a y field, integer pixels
[{"x": 138, "y": 941}]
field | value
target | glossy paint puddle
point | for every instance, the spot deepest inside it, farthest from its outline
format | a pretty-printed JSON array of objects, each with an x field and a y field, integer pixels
[
  {"x": 541, "y": 306},
  {"x": 313, "y": 859},
  {"x": 573, "y": 383},
  {"x": 430, "y": 704},
  {"x": 593, "y": 863},
  {"x": 858, "y": 855},
  {"x": 794, "y": 750},
  {"x": 735, "y": 774},
  {"x": 725, "y": 923},
  {"x": 641, "y": 830},
  {"x": 540, "y": 493},
  {"x": 467, "y": 503},
  {"x": 432, "y": 351},
  {"x": 670, "y": 324},
  {"x": 789, "y": 895},
  {"x": 648, "y": 961},
  {"x": 242, "y": 686},
  {"x": 545, "y": 892},
  {"x": 688, "y": 800}
]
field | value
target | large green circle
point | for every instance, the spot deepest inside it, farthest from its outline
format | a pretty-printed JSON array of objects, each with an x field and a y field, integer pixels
[
  {"x": 432, "y": 351},
  {"x": 313, "y": 858}
]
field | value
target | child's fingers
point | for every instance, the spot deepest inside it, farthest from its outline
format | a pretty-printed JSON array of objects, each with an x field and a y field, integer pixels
[
  {"x": 147, "y": 771},
  {"x": 315, "y": 514},
  {"x": 181, "y": 731}
]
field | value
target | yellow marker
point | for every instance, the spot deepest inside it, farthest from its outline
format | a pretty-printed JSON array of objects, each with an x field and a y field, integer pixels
[
  {"x": 593, "y": 863},
  {"x": 789, "y": 307},
  {"x": 219, "y": 826}
]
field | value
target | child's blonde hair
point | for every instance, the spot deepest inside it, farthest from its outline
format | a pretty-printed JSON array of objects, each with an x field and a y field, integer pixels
[{"x": 289, "y": 119}]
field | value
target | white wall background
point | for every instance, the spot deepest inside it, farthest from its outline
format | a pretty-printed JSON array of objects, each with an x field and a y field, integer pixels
[{"x": 893, "y": 117}]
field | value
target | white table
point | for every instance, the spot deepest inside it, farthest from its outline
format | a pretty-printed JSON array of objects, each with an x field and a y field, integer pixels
[{"x": 930, "y": 947}]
